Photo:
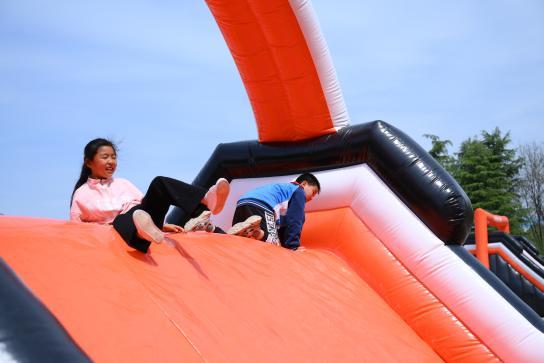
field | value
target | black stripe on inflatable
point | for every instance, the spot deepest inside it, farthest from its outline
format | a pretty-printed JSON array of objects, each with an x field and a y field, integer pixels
[
  {"x": 409, "y": 171},
  {"x": 530, "y": 247},
  {"x": 29, "y": 332}
]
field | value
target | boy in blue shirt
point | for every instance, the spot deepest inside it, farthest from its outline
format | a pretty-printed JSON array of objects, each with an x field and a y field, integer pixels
[{"x": 280, "y": 207}]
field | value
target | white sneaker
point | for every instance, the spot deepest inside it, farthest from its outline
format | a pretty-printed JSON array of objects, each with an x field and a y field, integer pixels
[
  {"x": 200, "y": 223},
  {"x": 217, "y": 195},
  {"x": 146, "y": 227},
  {"x": 248, "y": 228}
]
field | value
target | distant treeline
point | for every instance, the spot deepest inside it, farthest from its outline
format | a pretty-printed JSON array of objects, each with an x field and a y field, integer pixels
[{"x": 500, "y": 179}]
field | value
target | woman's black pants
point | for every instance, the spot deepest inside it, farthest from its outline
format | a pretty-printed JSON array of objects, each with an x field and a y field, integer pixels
[{"x": 161, "y": 194}]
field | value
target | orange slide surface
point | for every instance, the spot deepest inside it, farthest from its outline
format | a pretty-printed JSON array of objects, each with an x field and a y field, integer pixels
[{"x": 215, "y": 298}]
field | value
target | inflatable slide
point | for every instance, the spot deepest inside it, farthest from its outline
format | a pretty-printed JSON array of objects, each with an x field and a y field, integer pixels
[
  {"x": 378, "y": 280},
  {"x": 513, "y": 259}
]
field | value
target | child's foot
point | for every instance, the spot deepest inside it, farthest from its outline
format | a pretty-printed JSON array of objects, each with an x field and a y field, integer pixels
[
  {"x": 200, "y": 223},
  {"x": 146, "y": 227},
  {"x": 258, "y": 234},
  {"x": 217, "y": 195},
  {"x": 248, "y": 228}
]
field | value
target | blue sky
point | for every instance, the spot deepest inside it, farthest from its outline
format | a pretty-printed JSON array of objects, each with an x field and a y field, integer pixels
[{"x": 157, "y": 77}]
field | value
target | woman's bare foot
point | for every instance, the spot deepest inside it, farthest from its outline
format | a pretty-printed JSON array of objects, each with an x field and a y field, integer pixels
[
  {"x": 146, "y": 227},
  {"x": 217, "y": 195}
]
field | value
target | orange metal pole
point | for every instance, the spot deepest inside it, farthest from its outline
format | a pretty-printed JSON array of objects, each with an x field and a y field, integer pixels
[
  {"x": 483, "y": 219},
  {"x": 480, "y": 232}
]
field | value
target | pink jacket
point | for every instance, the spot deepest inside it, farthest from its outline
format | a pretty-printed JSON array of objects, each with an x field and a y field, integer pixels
[{"x": 101, "y": 200}]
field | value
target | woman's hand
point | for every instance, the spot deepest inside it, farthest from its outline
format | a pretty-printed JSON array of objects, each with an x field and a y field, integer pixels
[{"x": 172, "y": 228}]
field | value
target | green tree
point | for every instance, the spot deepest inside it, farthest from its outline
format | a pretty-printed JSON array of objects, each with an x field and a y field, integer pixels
[
  {"x": 439, "y": 151},
  {"x": 488, "y": 170},
  {"x": 532, "y": 191}
]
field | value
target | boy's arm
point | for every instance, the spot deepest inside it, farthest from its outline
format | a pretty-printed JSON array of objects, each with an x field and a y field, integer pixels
[{"x": 294, "y": 219}]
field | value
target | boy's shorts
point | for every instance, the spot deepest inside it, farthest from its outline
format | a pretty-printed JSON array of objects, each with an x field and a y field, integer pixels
[{"x": 268, "y": 222}]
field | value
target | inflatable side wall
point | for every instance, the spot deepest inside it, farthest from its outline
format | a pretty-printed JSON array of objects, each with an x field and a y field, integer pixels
[
  {"x": 412, "y": 207},
  {"x": 401, "y": 163},
  {"x": 517, "y": 264},
  {"x": 523, "y": 307}
]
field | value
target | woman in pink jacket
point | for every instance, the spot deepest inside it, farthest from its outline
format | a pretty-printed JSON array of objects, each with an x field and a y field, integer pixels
[{"x": 100, "y": 198}]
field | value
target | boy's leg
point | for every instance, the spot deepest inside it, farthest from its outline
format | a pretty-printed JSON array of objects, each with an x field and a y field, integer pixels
[
  {"x": 268, "y": 221},
  {"x": 249, "y": 228},
  {"x": 270, "y": 228}
]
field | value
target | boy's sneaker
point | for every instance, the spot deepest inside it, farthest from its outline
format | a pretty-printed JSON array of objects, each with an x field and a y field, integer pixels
[
  {"x": 217, "y": 195},
  {"x": 247, "y": 228},
  {"x": 146, "y": 227},
  {"x": 200, "y": 223}
]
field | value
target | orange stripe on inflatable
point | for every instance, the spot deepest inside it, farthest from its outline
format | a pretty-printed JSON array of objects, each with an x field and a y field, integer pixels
[
  {"x": 343, "y": 233},
  {"x": 276, "y": 66}
]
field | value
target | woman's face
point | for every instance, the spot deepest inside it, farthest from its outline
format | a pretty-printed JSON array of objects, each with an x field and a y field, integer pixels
[{"x": 103, "y": 164}]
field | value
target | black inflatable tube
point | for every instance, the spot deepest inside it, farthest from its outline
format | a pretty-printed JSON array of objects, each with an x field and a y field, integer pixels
[
  {"x": 28, "y": 331},
  {"x": 416, "y": 178},
  {"x": 500, "y": 287},
  {"x": 530, "y": 247}
]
